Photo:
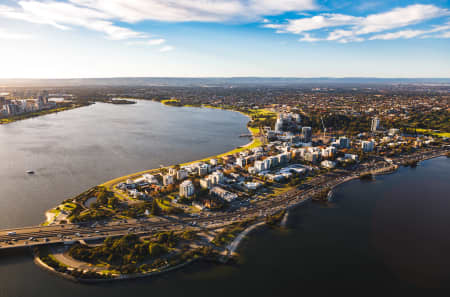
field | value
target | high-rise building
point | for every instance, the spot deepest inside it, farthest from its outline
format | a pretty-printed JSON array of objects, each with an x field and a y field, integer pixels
[
  {"x": 297, "y": 117},
  {"x": 260, "y": 166},
  {"x": 182, "y": 174},
  {"x": 40, "y": 102},
  {"x": 186, "y": 188},
  {"x": 279, "y": 124},
  {"x": 375, "y": 124},
  {"x": 168, "y": 179},
  {"x": 241, "y": 162},
  {"x": 306, "y": 134},
  {"x": 11, "y": 109},
  {"x": 344, "y": 142},
  {"x": 367, "y": 146}
]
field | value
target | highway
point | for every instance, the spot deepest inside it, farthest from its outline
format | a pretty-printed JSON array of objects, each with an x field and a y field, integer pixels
[{"x": 70, "y": 233}]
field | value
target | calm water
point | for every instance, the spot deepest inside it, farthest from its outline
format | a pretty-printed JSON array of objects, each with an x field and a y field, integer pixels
[
  {"x": 388, "y": 236},
  {"x": 74, "y": 150}
]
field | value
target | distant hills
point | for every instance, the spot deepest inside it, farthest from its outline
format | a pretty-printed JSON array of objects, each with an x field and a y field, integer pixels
[{"x": 219, "y": 81}]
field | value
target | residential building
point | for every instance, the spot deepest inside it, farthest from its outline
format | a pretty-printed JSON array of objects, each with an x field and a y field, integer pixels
[
  {"x": 328, "y": 164},
  {"x": 260, "y": 166},
  {"x": 312, "y": 157},
  {"x": 182, "y": 174},
  {"x": 205, "y": 183},
  {"x": 344, "y": 142},
  {"x": 252, "y": 186},
  {"x": 168, "y": 179},
  {"x": 186, "y": 188},
  {"x": 279, "y": 124},
  {"x": 216, "y": 178},
  {"x": 223, "y": 194},
  {"x": 203, "y": 169},
  {"x": 151, "y": 179},
  {"x": 328, "y": 152},
  {"x": 375, "y": 124},
  {"x": 393, "y": 131},
  {"x": 306, "y": 134},
  {"x": 241, "y": 162},
  {"x": 351, "y": 157},
  {"x": 367, "y": 146}
]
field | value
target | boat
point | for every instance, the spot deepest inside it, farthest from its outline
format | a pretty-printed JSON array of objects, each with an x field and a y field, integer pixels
[{"x": 30, "y": 171}]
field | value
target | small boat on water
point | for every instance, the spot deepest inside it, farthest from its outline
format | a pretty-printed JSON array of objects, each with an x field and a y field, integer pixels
[{"x": 30, "y": 171}]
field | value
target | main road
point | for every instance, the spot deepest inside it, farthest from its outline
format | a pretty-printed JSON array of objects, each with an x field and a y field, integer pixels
[{"x": 70, "y": 233}]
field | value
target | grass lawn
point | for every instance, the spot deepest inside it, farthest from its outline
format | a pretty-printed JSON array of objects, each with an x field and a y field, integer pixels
[{"x": 441, "y": 134}]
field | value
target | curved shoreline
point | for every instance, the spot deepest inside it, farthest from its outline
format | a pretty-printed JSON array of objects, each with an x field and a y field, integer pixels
[
  {"x": 235, "y": 150},
  {"x": 44, "y": 266},
  {"x": 245, "y": 233},
  {"x": 231, "y": 247}
]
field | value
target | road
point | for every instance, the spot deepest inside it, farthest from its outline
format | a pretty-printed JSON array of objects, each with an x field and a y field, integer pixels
[{"x": 70, "y": 233}]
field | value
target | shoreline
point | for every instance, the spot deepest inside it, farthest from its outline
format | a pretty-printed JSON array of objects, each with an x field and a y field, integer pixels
[
  {"x": 27, "y": 116},
  {"x": 254, "y": 140},
  {"x": 231, "y": 247},
  {"x": 306, "y": 199}
]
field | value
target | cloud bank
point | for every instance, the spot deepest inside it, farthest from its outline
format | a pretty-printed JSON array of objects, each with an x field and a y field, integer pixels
[
  {"x": 347, "y": 28},
  {"x": 115, "y": 18}
]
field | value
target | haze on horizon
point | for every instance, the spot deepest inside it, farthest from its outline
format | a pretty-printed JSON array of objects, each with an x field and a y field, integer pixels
[{"x": 224, "y": 38}]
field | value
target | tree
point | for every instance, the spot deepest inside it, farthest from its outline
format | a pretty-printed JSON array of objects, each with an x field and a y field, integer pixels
[
  {"x": 156, "y": 210},
  {"x": 156, "y": 250},
  {"x": 113, "y": 202}
]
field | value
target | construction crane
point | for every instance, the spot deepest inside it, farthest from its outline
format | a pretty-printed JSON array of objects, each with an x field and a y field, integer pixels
[
  {"x": 324, "y": 129},
  {"x": 261, "y": 135}
]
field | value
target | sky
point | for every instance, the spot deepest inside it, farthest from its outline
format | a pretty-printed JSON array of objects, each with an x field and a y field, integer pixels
[{"x": 224, "y": 38}]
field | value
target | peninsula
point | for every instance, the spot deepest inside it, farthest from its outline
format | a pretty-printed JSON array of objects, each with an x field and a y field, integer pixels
[{"x": 161, "y": 219}]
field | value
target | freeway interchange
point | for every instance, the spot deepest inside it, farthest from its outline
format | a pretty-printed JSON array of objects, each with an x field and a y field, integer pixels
[{"x": 70, "y": 233}]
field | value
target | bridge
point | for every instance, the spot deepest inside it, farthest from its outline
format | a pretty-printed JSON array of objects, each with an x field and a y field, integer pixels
[{"x": 71, "y": 233}]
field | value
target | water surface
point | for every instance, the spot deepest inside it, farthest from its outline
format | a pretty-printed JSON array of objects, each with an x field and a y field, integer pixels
[
  {"x": 74, "y": 150},
  {"x": 388, "y": 236}
]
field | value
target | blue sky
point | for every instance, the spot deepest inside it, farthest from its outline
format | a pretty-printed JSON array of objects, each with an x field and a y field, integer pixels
[{"x": 202, "y": 38}]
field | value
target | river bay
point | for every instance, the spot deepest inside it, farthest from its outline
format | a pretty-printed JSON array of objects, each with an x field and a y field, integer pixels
[
  {"x": 74, "y": 150},
  {"x": 389, "y": 235}
]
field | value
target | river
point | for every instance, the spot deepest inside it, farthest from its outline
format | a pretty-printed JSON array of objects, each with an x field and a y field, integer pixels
[
  {"x": 384, "y": 236},
  {"x": 74, "y": 150}
]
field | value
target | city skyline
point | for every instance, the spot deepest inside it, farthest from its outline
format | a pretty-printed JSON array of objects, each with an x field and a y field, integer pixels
[{"x": 182, "y": 38}]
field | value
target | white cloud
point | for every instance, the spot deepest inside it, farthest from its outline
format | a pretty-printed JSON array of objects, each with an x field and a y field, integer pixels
[
  {"x": 308, "y": 38},
  {"x": 103, "y": 15},
  {"x": 314, "y": 23},
  {"x": 13, "y": 36},
  {"x": 445, "y": 35},
  {"x": 400, "y": 17},
  {"x": 65, "y": 15},
  {"x": 194, "y": 10},
  {"x": 407, "y": 34},
  {"x": 167, "y": 48},
  {"x": 156, "y": 41},
  {"x": 352, "y": 28},
  {"x": 152, "y": 42}
]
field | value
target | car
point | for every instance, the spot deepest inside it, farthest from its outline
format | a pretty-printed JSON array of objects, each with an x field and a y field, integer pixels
[{"x": 11, "y": 233}]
